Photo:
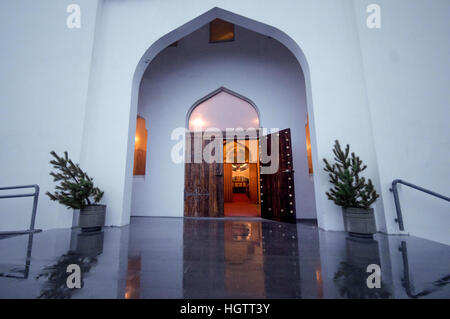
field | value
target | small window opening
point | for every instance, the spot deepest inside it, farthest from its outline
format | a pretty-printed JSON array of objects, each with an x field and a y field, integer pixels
[
  {"x": 308, "y": 146},
  {"x": 140, "y": 147},
  {"x": 221, "y": 31}
]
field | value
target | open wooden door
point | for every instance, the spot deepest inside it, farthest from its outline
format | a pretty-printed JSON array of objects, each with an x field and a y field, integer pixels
[
  {"x": 227, "y": 183},
  {"x": 277, "y": 189},
  {"x": 203, "y": 182},
  {"x": 253, "y": 183}
]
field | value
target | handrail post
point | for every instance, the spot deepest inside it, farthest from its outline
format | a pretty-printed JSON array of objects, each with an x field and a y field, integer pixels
[
  {"x": 398, "y": 209},
  {"x": 35, "y": 202},
  {"x": 394, "y": 190}
]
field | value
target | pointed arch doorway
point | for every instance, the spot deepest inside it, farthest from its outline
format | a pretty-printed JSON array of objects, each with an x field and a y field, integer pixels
[
  {"x": 231, "y": 185},
  {"x": 148, "y": 201}
]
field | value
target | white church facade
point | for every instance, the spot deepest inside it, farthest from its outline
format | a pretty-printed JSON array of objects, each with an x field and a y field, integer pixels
[{"x": 364, "y": 74}]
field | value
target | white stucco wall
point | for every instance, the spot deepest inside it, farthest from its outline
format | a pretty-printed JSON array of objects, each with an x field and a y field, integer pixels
[
  {"x": 383, "y": 91},
  {"x": 44, "y": 73},
  {"x": 330, "y": 59},
  {"x": 259, "y": 68},
  {"x": 407, "y": 71}
]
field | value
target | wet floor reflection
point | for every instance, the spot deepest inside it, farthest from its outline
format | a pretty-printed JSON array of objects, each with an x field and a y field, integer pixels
[
  {"x": 240, "y": 259},
  {"x": 407, "y": 281},
  {"x": 201, "y": 258},
  {"x": 244, "y": 264},
  {"x": 85, "y": 247},
  {"x": 133, "y": 285},
  {"x": 351, "y": 275},
  {"x": 19, "y": 271}
]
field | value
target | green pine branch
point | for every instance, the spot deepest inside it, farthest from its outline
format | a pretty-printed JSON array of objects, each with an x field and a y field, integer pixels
[
  {"x": 350, "y": 189},
  {"x": 75, "y": 189}
]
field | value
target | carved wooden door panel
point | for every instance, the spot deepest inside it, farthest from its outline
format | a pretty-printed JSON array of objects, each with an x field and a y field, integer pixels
[
  {"x": 227, "y": 183},
  {"x": 277, "y": 189},
  {"x": 203, "y": 182}
]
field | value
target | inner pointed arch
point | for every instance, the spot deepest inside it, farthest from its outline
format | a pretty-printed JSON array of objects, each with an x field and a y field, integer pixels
[{"x": 223, "y": 109}]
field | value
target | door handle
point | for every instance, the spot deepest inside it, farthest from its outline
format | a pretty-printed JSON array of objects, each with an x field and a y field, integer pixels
[{"x": 288, "y": 171}]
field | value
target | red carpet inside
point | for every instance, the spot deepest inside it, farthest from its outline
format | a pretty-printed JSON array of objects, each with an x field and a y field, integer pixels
[{"x": 241, "y": 206}]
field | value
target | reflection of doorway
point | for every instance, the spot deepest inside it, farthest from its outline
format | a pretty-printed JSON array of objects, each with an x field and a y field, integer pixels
[
  {"x": 241, "y": 171},
  {"x": 240, "y": 259},
  {"x": 244, "y": 268}
]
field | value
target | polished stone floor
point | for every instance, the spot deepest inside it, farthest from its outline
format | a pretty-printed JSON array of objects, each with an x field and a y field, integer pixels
[{"x": 220, "y": 258}]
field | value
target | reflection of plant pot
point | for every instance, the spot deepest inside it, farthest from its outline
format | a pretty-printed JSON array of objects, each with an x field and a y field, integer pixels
[
  {"x": 89, "y": 244},
  {"x": 362, "y": 252},
  {"x": 359, "y": 222},
  {"x": 351, "y": 275},
  {"x": 92, "y": 217}
]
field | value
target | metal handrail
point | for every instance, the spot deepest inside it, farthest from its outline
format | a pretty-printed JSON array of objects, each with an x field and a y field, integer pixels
[
  {"x": 33, "y": 212},
  {"x": 394, "y": 190}
]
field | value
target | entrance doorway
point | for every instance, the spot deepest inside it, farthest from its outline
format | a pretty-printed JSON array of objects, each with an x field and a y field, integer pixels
[
  {"x": 241, "y": 179},
  {"x": 235, "y": 181}
]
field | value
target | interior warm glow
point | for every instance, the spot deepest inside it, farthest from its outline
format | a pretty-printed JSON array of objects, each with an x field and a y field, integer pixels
[
  {"x": 308, "y": 146},
  {"x": 140, "y": 147},
  {"x": 197, "y": 123},
  {"x": 241, "y": 151},
  {"x": 224, "y": 110},
  {"x": 221, "y": 31},
  {"x": 318, "y": 278}
]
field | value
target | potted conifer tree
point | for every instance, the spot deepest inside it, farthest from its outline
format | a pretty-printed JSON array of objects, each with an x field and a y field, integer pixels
[
  {"x": 352, "y": 192},
  {"x": 76, "y": 191}
]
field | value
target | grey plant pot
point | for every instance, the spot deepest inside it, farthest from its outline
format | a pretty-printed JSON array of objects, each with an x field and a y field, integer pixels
[
  {"x": 92, "y": 218},
  {"x": 359, "y": 222}
]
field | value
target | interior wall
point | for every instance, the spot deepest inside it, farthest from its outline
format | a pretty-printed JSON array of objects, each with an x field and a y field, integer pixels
[
  {"x": 407, "y": 76},
  {"x": 254, "y": 66},
  {"x": 249, "y": 149},
  {"x": 219, "y": 112}
]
